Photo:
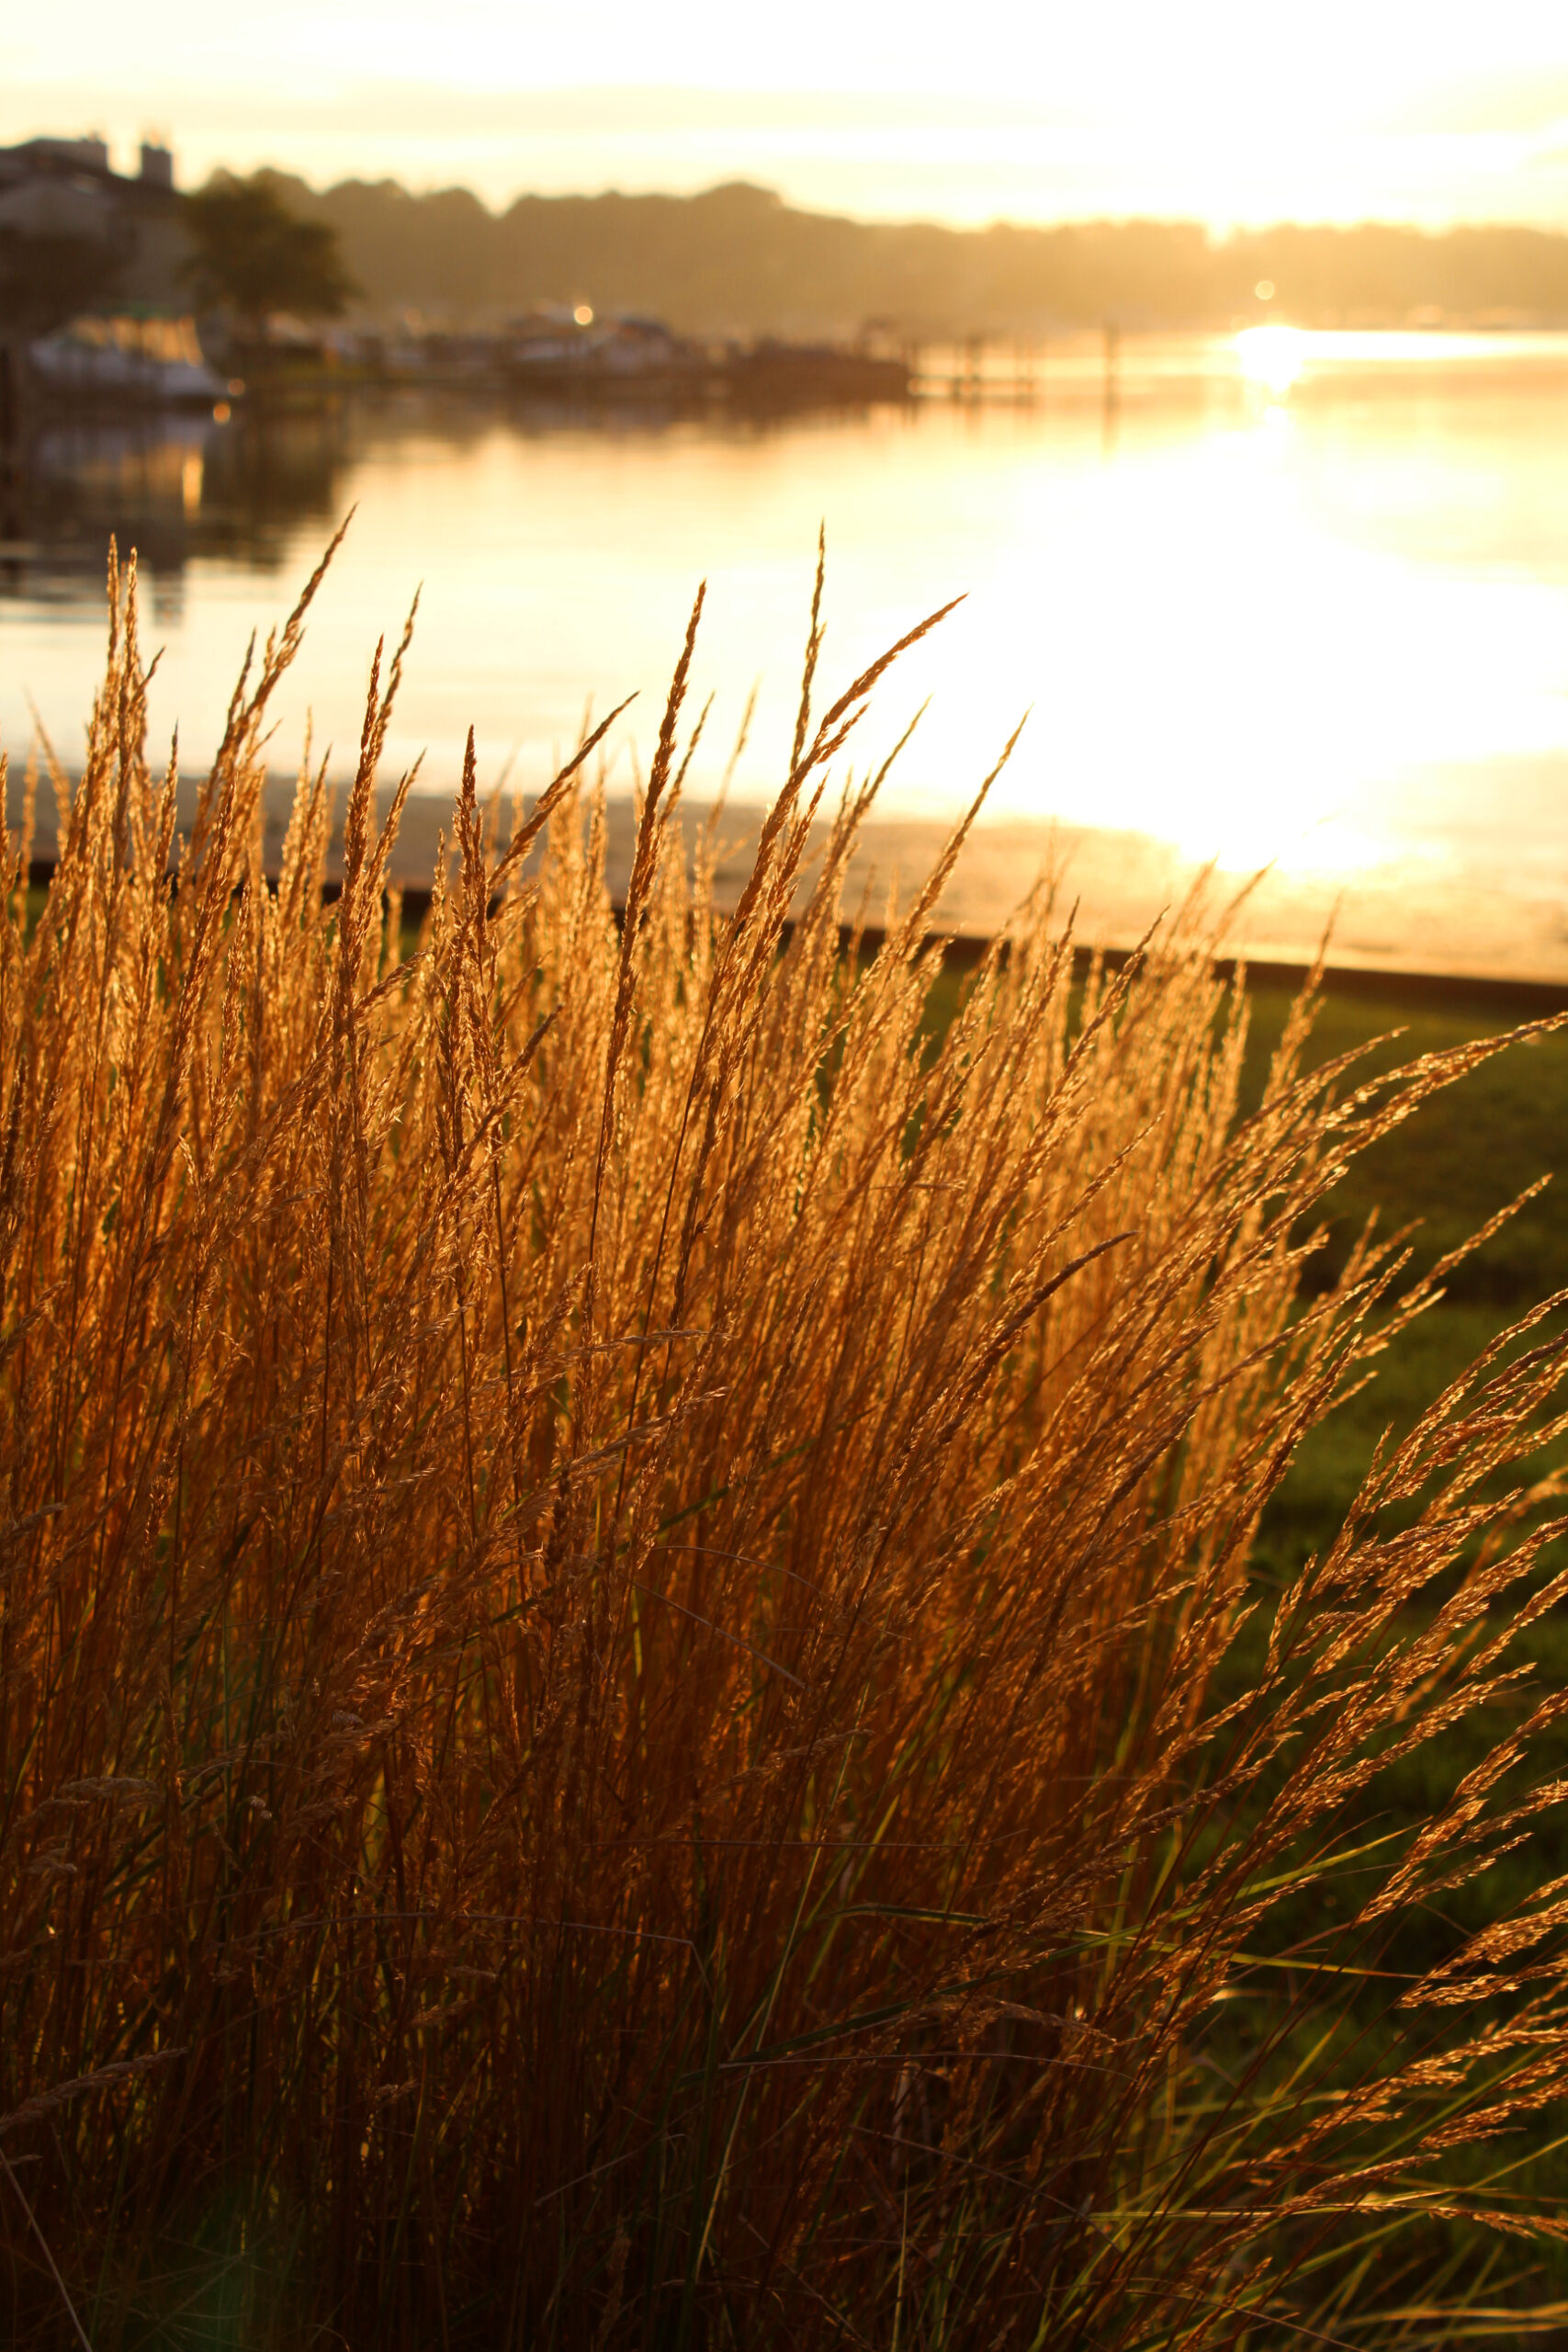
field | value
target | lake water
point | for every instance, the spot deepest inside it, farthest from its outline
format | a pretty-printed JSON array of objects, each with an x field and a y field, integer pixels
[{"x": 1290, "y": 598}]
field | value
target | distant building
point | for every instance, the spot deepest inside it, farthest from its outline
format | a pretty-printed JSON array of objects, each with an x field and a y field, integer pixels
[
  {"x": 60, "y": 157},
  {"x": 66, "y": 189}
]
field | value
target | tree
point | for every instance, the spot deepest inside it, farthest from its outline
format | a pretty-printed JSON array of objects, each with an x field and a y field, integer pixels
[{"x": 253, "y": 257}]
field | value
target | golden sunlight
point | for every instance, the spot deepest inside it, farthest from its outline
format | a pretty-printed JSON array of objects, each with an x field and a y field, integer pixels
[
  {"x": 1271, "y": 357},
  {"x": 686, "y": 1655}
]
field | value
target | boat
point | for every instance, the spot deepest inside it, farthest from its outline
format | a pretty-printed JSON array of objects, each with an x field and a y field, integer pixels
[
  {"x": 156, "y": 362},
  {"x": 573, "y": 351},
  {"x": 559, "y": 350}
]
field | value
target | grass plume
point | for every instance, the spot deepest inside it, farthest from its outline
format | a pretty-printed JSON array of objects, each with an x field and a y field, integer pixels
[{"x": 620, "y": 1589}]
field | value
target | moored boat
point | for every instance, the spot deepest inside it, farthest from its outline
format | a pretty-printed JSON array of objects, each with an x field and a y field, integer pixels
[{"x": 157, "y": 361}]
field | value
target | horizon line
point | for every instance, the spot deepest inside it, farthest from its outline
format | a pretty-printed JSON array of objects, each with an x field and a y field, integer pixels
[{"x": 1213, "y": 233}]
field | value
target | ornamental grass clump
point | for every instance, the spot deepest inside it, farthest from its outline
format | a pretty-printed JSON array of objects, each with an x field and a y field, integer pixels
[{"x": 632, "y": 1710}]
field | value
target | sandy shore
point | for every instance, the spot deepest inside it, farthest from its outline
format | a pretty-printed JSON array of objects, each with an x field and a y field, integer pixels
[{"x": 1390, "y": 920}]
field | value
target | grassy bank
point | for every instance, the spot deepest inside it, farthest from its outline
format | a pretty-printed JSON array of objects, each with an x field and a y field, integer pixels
[
  {"x": 682, "y": 1667},
  {"x": 1473, "y": 1150}
]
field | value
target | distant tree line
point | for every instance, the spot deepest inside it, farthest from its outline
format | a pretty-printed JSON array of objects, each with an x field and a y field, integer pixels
[{"x": 738, "y": 259}]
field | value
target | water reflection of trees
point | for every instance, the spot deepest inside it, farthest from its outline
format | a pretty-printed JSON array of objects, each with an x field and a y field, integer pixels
[
  {"x": 175, "y": 487},
  {"x": 182, "y": 487},
  {"x": 178, "y": 487}
]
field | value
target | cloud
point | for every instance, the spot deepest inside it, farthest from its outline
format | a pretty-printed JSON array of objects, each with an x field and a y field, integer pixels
[{"x": 1517, "y": 103}]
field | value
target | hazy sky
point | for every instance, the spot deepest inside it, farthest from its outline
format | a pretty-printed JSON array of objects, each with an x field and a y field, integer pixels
[{"x": 1224, "y": 109}]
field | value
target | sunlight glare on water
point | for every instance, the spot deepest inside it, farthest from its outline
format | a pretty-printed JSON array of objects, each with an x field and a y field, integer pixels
[{"x": 1271, "y": 357}]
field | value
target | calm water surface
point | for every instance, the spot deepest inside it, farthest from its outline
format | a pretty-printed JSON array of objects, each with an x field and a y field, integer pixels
[{"x": 1301, "y": 599}]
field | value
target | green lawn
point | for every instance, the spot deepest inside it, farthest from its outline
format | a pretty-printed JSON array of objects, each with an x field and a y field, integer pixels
[
  {"x": 1466, "y": 1154},
  {"x": 1463, "y": 1156}
]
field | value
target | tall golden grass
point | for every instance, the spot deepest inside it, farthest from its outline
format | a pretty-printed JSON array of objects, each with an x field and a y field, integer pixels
[{"x": 614, "y": 1568}]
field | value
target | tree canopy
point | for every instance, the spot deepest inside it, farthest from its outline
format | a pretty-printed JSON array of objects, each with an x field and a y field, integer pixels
[{"x": 253, "y": 257}]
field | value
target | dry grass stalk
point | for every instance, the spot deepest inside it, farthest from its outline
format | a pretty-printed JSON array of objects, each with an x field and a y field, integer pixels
[{"x": 612, "y": 1572}]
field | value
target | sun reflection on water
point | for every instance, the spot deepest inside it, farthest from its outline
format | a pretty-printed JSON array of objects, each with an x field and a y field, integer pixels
[
  {"x": 1241, "y": 653},
  {"x": 1271, "y": 357}
]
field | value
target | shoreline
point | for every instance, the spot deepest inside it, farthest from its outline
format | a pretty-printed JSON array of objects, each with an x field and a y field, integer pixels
[{"x": 1386, "y": 933}]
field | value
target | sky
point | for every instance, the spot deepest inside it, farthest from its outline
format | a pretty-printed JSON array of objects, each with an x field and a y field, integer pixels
[{"x": 1229, "y": 111}]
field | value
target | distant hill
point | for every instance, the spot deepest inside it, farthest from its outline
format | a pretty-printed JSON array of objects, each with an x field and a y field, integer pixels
[{"x": 738, "y": 260}]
